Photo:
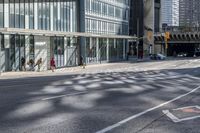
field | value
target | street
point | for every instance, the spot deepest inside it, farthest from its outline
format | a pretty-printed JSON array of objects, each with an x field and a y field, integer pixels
[{"x": 122, "y": 97}]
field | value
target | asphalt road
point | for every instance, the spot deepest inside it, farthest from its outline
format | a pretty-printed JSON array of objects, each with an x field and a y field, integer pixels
[{"x": 116, "y": 98}]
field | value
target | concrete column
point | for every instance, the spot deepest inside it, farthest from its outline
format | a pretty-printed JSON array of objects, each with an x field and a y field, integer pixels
[
  {"x": 97, "y": 49},
  {"x": 65, "y": 51},
  {"x": 87, "y": 59},
  {"x": 107, "y": 49},
  {"x": 6, "y": 14},
  {"x": 48, "y": 52},
  {"x": 35, "y": 16},
  {"x": 124, "y": 49},
  {"x": 27, "y": 50},
  {"x": 148, "y": 24}
]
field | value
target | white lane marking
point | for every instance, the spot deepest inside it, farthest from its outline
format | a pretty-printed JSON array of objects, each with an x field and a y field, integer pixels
[
  {"x": 171, "y": 116},
  {"x": 109, "y": 128},
  {"x": 176, "y": 120},
  {"x": 60, "y": 96}
]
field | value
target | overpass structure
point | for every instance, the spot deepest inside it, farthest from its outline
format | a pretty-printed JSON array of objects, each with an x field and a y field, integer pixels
[{"x": 182, "y": 40}]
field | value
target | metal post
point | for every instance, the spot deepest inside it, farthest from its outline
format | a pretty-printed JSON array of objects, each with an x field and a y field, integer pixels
[
  {"x": 0, "y": 52},
  {"x": 166, "y": 46},
  {"x": 137, "y": 42}
]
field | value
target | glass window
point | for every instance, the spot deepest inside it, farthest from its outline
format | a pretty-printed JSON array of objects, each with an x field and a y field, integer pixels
[
  {"x": 2, "y": 42},
  {"x": 17, "y": 14},
  {"x": 47, "y": 15},
  {"x": 22, "y": 14},
  {"x": 62, "y": 16},
  {"x": 44, "y": 14},
  {"x": 22, "y": 41},
  {"x": 58, "y": 48},
  {"x": 40, "y": 15},
  {"x": 12, "y": 14},
  {"x": 58, "y": 16},
  {"x": 1, "y": 14},
  {"x": 65, "y": 15},
  {"x": 31, "y": 14},
  {"x": 55, "y": 16}
]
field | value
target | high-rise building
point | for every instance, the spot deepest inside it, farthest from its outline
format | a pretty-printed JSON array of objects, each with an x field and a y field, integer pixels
[
  {"x": 71, "y": 31},
  {"x": 136, "y": 25},
  {"x": 170, "y": 12},
  {"x": 144, "y": 18},
  {"x": 189, "y": 13}
]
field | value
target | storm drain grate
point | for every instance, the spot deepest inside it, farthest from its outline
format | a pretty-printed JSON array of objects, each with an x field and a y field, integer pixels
[{"x": 183, "y": 114}]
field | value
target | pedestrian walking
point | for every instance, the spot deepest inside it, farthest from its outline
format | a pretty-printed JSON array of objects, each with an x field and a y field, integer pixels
[
  {"x": 23, "y": 66},
  {"x": 38, "y": 64},
  {"x": 31, "y": 65},
  {"x": 52, "y": 64}
]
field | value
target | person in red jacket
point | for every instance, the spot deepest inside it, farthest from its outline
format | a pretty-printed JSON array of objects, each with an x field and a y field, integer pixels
[{"x": 52, "y": 64}]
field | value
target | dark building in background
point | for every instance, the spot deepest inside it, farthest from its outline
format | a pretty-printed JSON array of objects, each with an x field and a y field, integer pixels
[
  {"x": 136, "y": 24},
  {"x": 144, "y": 16},
  {"x": 157, "y": 16},
  {"x": 189, "y": 13}
]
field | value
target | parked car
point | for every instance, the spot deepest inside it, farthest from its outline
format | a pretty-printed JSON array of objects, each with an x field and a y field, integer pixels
[{"x": 157, "y": 57}]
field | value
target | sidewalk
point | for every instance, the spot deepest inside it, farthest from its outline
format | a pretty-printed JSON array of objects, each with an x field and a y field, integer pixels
[{"x": 60, "y": 71}]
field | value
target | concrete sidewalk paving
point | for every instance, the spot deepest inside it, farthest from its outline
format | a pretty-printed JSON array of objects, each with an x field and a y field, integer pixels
[{"x": 60, "y": 71}]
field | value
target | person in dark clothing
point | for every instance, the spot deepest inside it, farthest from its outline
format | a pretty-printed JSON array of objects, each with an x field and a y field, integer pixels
[{"x": 23, "y": 61}]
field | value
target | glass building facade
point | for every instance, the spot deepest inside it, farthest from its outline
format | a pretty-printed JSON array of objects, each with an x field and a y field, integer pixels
[
  {"x": 109, "y": 17},
  {"x": 105, "y": 17},
  {"x": 48, "y": 15},
  {"x": 57, "y": 15},
  {"x": 53, "y": 28}
]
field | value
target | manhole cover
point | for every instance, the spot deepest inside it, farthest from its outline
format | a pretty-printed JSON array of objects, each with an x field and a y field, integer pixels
[{"x": 183, "y": 114}]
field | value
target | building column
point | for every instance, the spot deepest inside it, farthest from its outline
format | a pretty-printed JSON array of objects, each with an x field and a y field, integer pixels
[
  {"x": 124, "y": 49},
  {"x": 27, "y": 49},
  {"x": 6, "y": 14},
  {"x": 107, "y": 49},
  {"x": 97, "y": 49},
  {"x": 65, "y": 51}
]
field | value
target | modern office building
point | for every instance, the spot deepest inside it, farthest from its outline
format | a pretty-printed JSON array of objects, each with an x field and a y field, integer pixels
[
  {"x": 104, "y": 17},
  {"x": 136, "y": 26},
  {"x": 189, "y": 13},
  {"x": 144, "y": 19},
  {"x": 170, "y": 12},
  {"x": 68, "y": 30}
]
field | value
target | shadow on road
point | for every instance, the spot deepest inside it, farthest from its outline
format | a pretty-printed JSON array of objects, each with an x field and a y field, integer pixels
[{"x": 86, "y": 98}]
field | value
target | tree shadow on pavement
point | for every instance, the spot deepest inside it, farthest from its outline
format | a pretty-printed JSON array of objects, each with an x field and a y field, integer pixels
[{"x": 87, "y": 100}]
